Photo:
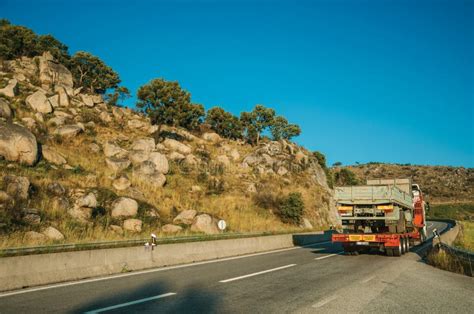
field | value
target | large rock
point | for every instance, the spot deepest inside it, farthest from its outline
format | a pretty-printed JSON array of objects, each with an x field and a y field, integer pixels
[
  {"x": 88, "y": 200},
  {"x": 204, "y": 223},
  {"x": 176, "y": 146},
  {"x": 10, "y": 89},
  {"x": 87, "y": 100},
  {"x": 124, "y": 207},
  {"x": 18, "y": 144},
  {"x": 211, "y": 137},
  {"x": 5, "y": 110},
  {"x": 53, "y": 157},
  {"x": 111, "y": 149},
  {"x": 160, "y": 162},
  {"x": 17, "y": 187},
  {"x": 169, "y": 228},
  {"x": 39, "y": 102},
  {"x": 117, "y": 164},
  {"x": 68, "y": 131},
  {"x": 121, "y": 183},
  {"x": 53, "y": 73},
  {"x": 156, "y": 180},
  {"x": 133, "y": 225},
  {"x": 144, "y": 144},
  {"x": 53, "y": 234},
  {"x": 138, "y": 156},
  {"x": 63, "y": 98},
  {"x": 185, "y": 217}
]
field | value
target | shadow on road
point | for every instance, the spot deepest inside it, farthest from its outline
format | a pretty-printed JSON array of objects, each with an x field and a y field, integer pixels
[{"x": 193, "y": 299}]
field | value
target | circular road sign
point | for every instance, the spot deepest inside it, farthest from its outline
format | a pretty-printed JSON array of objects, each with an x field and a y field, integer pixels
[{"x": 222, "y": 224}]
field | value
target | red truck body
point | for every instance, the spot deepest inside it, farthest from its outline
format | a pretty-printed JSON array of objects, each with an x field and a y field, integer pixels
[{"x": 392, "y": 243}]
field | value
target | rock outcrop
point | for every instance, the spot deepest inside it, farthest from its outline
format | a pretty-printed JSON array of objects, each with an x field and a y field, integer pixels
[
  {"x": 39, "y": 102},
  {"x": 18, "y": 144},
  {"x": 124, "y": 207},
  {"x": 205, "y": 224}
]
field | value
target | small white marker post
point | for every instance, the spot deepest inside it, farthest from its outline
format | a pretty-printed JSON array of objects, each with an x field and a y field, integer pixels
[{"x": 222, "y": 225}]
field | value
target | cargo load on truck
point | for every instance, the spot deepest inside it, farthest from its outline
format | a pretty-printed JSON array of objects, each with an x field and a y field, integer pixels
[{"x": 386, "y": 213}]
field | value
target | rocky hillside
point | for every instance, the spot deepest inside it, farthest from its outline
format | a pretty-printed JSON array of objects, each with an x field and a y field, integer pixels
[
  {"x": 74, "y": 168},
  {"x": 442, "y": 184}
]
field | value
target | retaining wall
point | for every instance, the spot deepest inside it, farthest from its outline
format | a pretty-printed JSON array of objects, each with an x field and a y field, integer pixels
[{"x": 18, "y": 272}]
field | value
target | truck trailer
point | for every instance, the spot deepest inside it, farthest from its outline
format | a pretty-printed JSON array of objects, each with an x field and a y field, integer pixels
[{"x": 386, "y": 214}]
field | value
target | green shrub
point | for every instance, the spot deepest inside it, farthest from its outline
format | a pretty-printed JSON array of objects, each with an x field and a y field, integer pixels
[
  {"x": 267, "y": 200},
  {"x": 345, "y": 177},
  {"x": 292, "y": 208}
]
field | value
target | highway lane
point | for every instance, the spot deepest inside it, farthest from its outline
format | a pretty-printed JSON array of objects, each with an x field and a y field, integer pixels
[{"x": 304, "y": 280}]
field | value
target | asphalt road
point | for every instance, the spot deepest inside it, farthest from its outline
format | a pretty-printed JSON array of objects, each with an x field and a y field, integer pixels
[{"x": 312, "y": 279}]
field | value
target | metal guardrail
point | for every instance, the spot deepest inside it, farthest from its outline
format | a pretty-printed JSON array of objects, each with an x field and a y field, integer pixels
[
  {"x": 125, "y": 243},
  {"x": 463, "y": 258}
]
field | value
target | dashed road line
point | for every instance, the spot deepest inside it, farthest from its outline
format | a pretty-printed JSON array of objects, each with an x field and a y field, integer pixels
[
  {"x": 113, "y": 307},
  {"x": 258, "y": 273},
  {"x": 326, "y": 256}
]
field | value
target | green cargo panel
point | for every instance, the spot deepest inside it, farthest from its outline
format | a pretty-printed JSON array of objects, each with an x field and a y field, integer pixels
[{"x": 372, "y": 195}]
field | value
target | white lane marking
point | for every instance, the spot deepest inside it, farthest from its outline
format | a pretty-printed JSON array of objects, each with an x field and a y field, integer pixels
[
  {"x": 326, "y": 256},
  {"x": 113, "y": 307},
  {"x": 366, "y": 280},
  {"x": 60, "y": 285},
  {"x": 324, "y": 301},
  {"x": 259, "y": 273}
]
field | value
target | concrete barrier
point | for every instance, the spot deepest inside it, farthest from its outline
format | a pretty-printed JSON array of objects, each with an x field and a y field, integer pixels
[{"x": 18, "y": 272}]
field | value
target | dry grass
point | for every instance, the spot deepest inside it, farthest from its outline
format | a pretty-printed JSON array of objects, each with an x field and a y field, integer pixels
[
  {"x": 465, "y": 238},
  {"x": 233, "y": 203}
]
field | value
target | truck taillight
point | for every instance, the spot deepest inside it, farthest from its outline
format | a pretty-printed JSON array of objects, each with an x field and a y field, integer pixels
[
  {"x": 387, "y": 208},
  {"x": 344, "y": 208}
]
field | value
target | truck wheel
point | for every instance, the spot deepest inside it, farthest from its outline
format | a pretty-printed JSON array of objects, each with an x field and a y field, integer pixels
[
  {"x": 397, "y": 251},
  {"x": 404, "y": 245},
  {"x": 407, "y": 240},
  {"x": 389, "y": 252}
]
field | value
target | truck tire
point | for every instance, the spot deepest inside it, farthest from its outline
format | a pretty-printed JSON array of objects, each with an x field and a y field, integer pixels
[
  {"x": 397, "y": 251},
  {"x": 389, "y": 252},
  {"x": 407, "y": 240},
  {"x": 404, "y": 245}
]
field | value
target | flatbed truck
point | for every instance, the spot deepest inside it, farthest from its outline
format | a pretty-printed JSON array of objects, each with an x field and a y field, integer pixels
[{"x": 385, "y": 214}]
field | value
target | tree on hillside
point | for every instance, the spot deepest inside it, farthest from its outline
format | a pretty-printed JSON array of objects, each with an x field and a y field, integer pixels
[
  {"x": 256, "y": 121},
  {"x": 337, "y": 164},
  {"x": 58, "y": 50},
  {"x": 166, "y": 103},
  {"x": 320, "y": 158},
  {"x": 119, "y": 94},
  {"x": 345, "y": 177},
  {"x": 16, "y": 41},
  {"x": 281, "y": 129},
  {"x": 224, "y": 123},
  {"x": 92, "y": 73}
]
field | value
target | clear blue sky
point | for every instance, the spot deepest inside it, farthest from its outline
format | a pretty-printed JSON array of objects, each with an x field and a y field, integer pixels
[{"x": 389, "y": 81}]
